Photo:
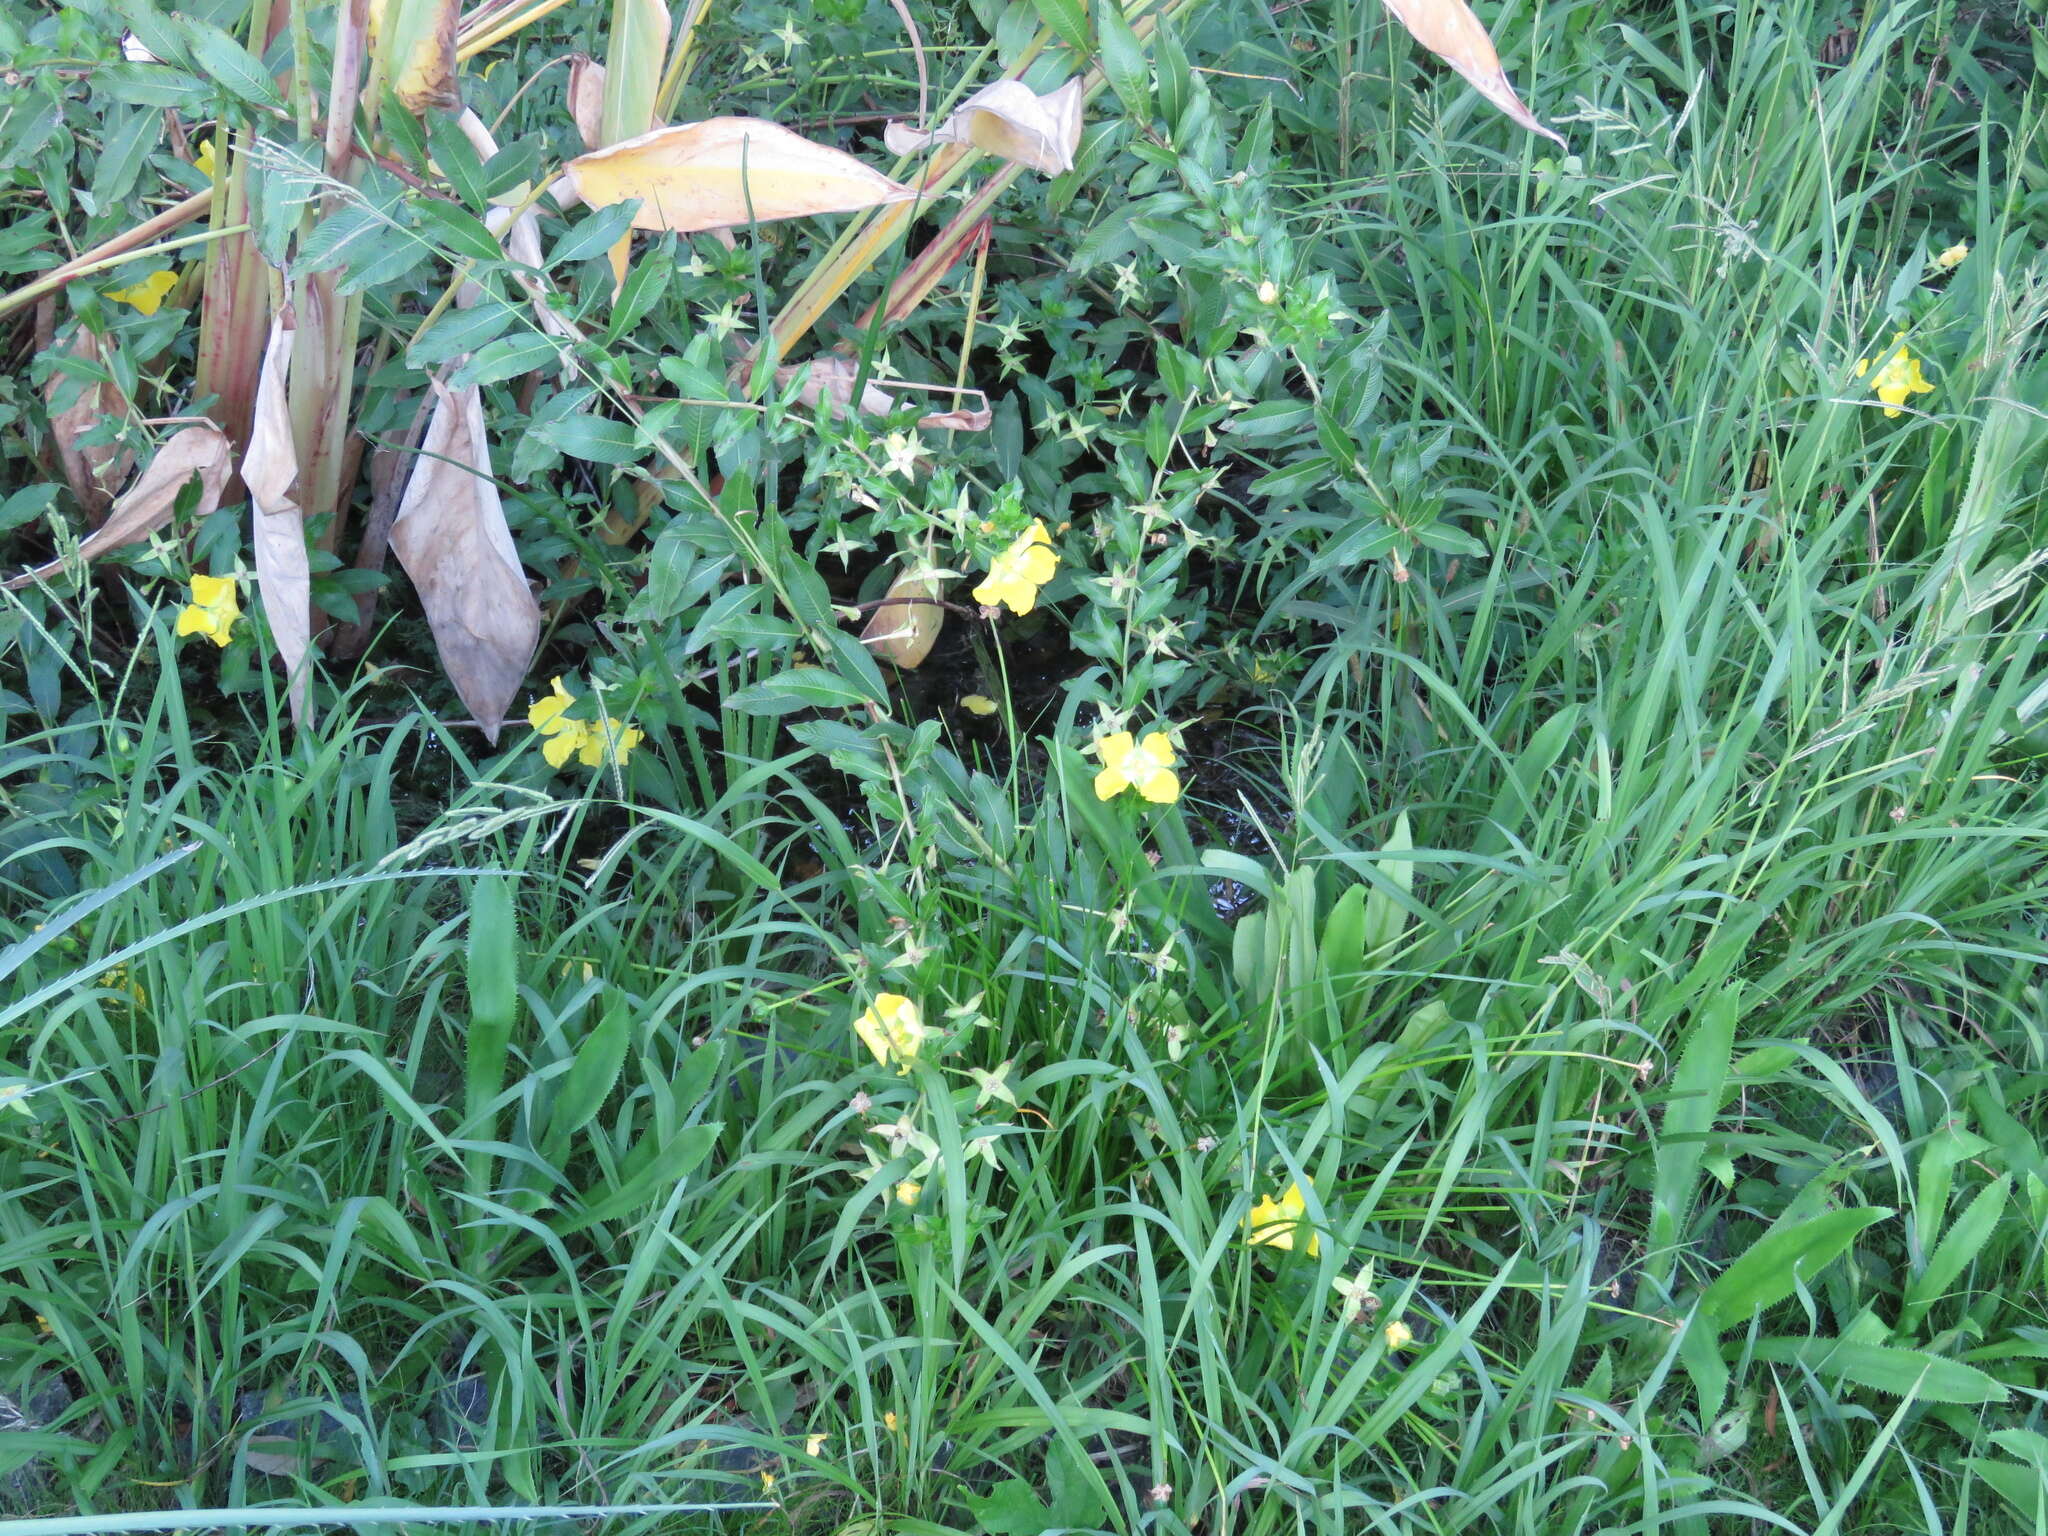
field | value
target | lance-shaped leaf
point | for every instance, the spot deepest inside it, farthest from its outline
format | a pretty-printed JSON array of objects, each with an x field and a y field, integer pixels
[
  {"x": 727, "y": 171},
  {"x": 906, "y": 624},
  {"x": 270, "y": 470},
  {"x": 1448, "y": 29},
  {"x": 91, "y": 471},
  {"x": 414, "y": 42},
  {"x": 147, "y": 504},
  {"x": 450, "y": 535},
  {"x": 1009, "y": 119}
]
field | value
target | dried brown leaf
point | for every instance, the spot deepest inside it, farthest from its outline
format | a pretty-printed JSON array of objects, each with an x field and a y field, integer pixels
[
  {"x": 727, "y": 171},
  {"x": 905, "y": 626},
  {"x": 147, "y": 504},
  {"x": 93, "y": 471},
  {"x": 270, "y": 470},
  {"x": 1009, "y": 119},
  {"x": 450, "y": 535},
  {"x": 1448, "y": 29},
  {"x": 586, "y": 99}
]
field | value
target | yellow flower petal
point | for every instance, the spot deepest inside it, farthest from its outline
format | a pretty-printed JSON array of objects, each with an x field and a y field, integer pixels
[
  {"x": 1276, "y": 1223},
  {"x": 977, "y": 704},
  {"x": 1015, "y": 575},
  {"x": 1953, "y": 257},
  {"x": 564, "y": 744},
  {"x": 892, "y": 1029},
  {"x": 204, "y": 161},
  {"x": 212, "y": 611},
  {"x": 147, "y": 295}
]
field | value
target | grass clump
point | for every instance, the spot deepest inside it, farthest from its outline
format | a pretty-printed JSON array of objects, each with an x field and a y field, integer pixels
[{"x": 1563, "y": 1056}]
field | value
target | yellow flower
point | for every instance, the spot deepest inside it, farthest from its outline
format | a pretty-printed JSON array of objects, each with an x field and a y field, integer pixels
[
  {"x": 582, "y": 739},
  {"x": 43, "y": 1324},
  {"x": 893, "y": 1029},
  {"x": 613, "y": 734},
  {"x": 814, "y": 1444},
  {"x": 1015, "y": 575},
  {"x": 977, "y": 703},
  {"x": 1146, "y": 764},
  {"x": 203, "y": 161},
  {"x": 767, "y": 1482},
  {"x": 908, "y": 1191},
  {"x": 147, "y": 295},
  {"x": 889, "y": 1421},
  {"x": 118, "y": 980},
  {"x": 1274, "y": 1223},
  {"x": 212, "y": 611},
  {"x": 1399, "y": 1335},
  {"x": 1898, "y": 379},
  {"x": 1952, "y": 258}
]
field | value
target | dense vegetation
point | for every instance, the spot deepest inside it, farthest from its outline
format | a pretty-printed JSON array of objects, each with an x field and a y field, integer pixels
[{"x": 1447, "y": 937}]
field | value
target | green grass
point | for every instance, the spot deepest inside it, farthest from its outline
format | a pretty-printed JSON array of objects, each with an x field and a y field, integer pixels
[{"x": 456, "y": 1143}]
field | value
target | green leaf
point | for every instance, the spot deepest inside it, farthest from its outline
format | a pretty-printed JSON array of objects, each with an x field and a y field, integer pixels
[
  {"x": 1010, "y": 1508},
  {"x": 231, "y": 65},
  {"x": 595, "y": 235},
  {"x": 1959, "y": 1246},
  {"x": 1068, "y": 21},
  {"x": 646, "y": 281},
  {"x": 799, "y": 688},
  {"x": 458, "y": 161},
  {"x": 1386, "y": 917},
  {"x": 492, "y": 976},
  {"x": 1780, "y": 1261},
  {"x": 1124, "y": 64},
  {"x": 598, "y": 439},
  {"x": 457, "y": 230},
  {"x": 591, "y": 1075},
  {"x": 1885, "y": 1368},
  {"x": 508, "y": 358},
  {"x": 1688, "y": 1115}
]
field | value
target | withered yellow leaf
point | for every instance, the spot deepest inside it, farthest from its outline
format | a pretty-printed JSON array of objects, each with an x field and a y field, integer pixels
[
  {"x": 727, "y": 171},
  {"x": 1448, "y": 29},
  {"x": 1009, "y": 119},
  {"x": 906, "y": 624},
  {"x": 414, "y": 42},
  {"x": 147, "y": 504}
]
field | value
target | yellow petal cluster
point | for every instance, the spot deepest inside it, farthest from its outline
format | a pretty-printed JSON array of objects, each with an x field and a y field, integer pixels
[
  {"x": 1015, "y": 575},
  {"x": 212, "y": 611},
  {"x": 1952, "y": 258},
  {"x": 590, "y": 741},
  {"x": 1144, "y": 765},
  {"x": 147, "y": 295},
  {"x": 1897, "y": 379},
  {"x": 1276, "y": 1223},
  {"x": 893, "y": 1029}
]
